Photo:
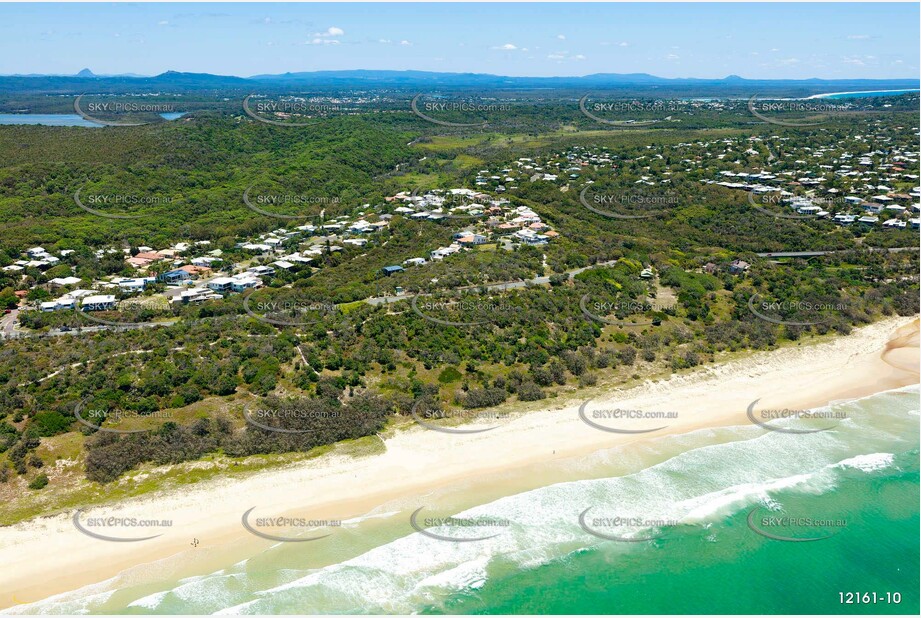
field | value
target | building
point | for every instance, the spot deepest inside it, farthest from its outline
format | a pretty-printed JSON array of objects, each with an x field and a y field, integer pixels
[
  {"x": 205, "y": 262},
  {"x": 389, "y": 270},
  {"x": 99, "y": 302},
  {"x": 261, "y": 271},
  {"x": 62, "y": 281},
  {"x": 134, "y": 285},
  {"x": 195, "y": 270},
  {"x": 896, "y": 224},
  {"x": 738, "y": 267},
  {"x": 172, "y": 277},
  {"x": 196, "y": 295},
  {"x": 844, "y": 219},
  {"x": 221, "y": 284}
]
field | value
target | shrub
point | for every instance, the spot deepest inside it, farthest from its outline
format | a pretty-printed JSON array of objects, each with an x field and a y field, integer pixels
[
  {"x": 448, "y": 375},
  {"x": 484, "y": 397},
  {"x": 529, "y": 391},
  {"x": 39, "y": 481},
  {"x": 50, "y": 423}
]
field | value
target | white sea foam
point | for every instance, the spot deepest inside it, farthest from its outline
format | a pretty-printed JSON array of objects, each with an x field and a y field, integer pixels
[
  {"x": 698, "y": 486},
  {"x": 151, "y": 601},
  {"x": 868, "y": 463}
]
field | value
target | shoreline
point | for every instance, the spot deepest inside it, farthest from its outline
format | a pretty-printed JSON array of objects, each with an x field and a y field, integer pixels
[
  {"x": 878, "y": 357},
  {"x": 825, "y": 95}
]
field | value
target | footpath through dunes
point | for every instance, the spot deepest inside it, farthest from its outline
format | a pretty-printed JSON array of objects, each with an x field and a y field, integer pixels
[
  {"x": 417, "y": 462},
  {"x": 902, "y": 350}
]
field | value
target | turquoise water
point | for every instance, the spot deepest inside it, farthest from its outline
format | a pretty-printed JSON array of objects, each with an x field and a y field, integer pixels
[
  {"x": 51, "y": 120},
  {"x": 63, "y": 120},
  {"x": 861, "y": 479},
  {"x": 858, "y": 95}
]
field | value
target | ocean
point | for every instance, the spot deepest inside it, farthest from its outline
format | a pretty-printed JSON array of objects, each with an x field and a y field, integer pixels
[
  {"x": 64, "y": 120},
  {"x": 732, "y": 520},
  {"x": 862, "y": 94}
]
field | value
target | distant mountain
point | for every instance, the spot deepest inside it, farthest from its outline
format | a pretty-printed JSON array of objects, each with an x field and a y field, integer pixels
[{"x": 634, "y": 84}]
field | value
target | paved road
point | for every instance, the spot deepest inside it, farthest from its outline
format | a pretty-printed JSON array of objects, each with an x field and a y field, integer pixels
[
  {"x": 14, "y": 334},
  {"x": 8, "y": 323},
  {"x": 506, "y": 285},
  {"x": 816, "y": 253}
]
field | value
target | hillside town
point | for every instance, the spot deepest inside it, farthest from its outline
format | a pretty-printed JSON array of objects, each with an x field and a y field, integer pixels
[{"x": 193, "y": 272}]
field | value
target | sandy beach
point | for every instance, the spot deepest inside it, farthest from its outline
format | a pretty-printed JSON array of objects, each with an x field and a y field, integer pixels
[{"x": 49, "y": 555}]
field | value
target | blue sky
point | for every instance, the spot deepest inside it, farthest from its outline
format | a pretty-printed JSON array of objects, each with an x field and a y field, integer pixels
[{"x": 846, "y": 40}]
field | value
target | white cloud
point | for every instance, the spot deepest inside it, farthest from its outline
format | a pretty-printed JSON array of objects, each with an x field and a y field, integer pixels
[
  {"x": 331, "y": 32},
  {"x": 858, "y": 37},
  {"x": 326, "y": 38},
  {"x": 564, "y": 55},
  {"x": 163, "y": 23},
  {"x": 561, "y": 37},
  {"x": 672, "y": 57},
  {"x": 507, "y": 47},
  {"x": 385, "y": 41},
  {"x": 405, "y": 42},
  {"x": 624, "y": 44}
]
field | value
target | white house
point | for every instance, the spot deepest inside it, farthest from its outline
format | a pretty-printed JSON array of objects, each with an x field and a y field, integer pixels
[
  {"x": 261, "y": 271},
  {"x": 220, "y": 284},
  {"x": 65, "y": 281},
  {"x": 844, "y": 219},
  {"x": 99, "y": 302}
]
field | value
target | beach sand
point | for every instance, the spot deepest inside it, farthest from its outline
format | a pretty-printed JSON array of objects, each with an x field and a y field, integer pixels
[{"x": 47, "y": 556}]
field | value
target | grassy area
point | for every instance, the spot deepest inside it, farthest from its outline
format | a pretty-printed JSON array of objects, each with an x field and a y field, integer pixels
[
  {"x": 72, "y": 491},
  {"x": 63, "y": 453}
]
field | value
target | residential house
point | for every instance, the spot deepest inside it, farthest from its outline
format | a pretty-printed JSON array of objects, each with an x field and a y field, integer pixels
[
  {"x": 173, "y": 277},
  {"x": 98, "y": 302},
  {"x": 738, "y": 267}
]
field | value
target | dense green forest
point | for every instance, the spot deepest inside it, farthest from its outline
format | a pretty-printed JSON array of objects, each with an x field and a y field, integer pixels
[{"x": 360, "y": 366}]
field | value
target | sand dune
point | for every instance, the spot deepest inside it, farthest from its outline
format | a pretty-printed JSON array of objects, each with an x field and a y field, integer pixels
[{"x": 48, "y": 556}]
